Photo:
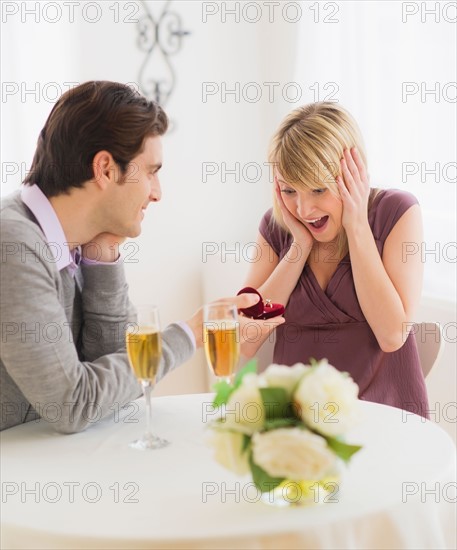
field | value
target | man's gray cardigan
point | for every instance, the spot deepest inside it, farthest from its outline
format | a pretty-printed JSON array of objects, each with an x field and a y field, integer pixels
[{"x": 62, "y": 356}]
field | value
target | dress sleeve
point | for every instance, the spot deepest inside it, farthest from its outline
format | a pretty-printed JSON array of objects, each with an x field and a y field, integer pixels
[
  {"x": 389, "y": 206},
  {"x": 276, "y": 237}
]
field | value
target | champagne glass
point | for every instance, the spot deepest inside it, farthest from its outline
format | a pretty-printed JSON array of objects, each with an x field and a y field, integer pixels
[
  {"x": 144, "y": 349},
  {"x": 221, "y": 338}
]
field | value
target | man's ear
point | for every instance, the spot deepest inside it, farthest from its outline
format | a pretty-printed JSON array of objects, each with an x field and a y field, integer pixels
[{"x": 105, "y": 169}]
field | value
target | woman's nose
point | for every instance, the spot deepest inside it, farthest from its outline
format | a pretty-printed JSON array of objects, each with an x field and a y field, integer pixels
[{"x": 305, "y": 206}]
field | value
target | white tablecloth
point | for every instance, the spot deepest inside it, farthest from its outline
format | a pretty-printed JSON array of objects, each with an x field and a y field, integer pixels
[{"x": 90, "y": 490}]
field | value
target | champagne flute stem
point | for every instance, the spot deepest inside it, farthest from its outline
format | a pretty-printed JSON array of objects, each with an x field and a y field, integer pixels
[{"x": 147, "y": 390}]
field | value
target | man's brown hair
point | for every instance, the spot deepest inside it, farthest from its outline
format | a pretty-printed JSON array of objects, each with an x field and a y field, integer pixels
[{"x": 94, "y": 116}]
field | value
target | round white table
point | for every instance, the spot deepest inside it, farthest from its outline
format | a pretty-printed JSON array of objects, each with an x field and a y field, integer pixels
[{"x": 90, "y": 490}]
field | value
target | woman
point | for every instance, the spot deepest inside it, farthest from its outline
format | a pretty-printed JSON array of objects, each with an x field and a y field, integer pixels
[{"x": 335, "y": 253}]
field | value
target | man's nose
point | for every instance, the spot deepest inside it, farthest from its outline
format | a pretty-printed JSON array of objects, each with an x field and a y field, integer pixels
[{"x": 156, "y": 191}]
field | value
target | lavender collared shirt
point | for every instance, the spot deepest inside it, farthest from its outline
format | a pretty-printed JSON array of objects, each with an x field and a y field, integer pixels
[{"x": 46, "y": 216}]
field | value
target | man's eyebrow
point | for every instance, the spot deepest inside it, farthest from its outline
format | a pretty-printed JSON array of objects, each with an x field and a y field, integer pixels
[{"x": 154, "y": 166}]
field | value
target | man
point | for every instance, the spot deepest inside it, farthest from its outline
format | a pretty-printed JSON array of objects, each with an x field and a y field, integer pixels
[{"x": 64, "y": 301}]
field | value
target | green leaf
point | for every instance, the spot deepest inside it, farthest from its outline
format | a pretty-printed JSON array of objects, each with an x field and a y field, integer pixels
[
  {"x": 263, "y": 481},
  {"x": 246, "y": 443},
  {"x": 341, "y": 449},
  {"x": 250, "y": 366},
  {"x": 223, "y": 391},
  {"x": 276, "y": 402},
  {"x": 275, "y": 423}
]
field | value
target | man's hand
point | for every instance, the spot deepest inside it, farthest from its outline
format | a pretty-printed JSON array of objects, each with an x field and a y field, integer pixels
[
  {"x": 253, "y": 332},
  {"x": 103, "y": 248}
]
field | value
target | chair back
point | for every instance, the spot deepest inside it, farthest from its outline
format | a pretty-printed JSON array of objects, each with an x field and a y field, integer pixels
[{"x": 430, "y": 344}]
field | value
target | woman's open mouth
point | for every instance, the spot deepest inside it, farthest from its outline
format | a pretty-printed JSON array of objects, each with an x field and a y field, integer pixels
[{"x": 317, "y": 225}]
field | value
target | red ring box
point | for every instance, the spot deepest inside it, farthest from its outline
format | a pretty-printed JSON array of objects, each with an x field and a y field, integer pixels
[{"x": 260, "y": 310}]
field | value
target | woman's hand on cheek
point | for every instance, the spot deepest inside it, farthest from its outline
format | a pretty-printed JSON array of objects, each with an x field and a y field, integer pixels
[
  {"x": 354, "y": 190},
  {"x": 300, "y": 233}
]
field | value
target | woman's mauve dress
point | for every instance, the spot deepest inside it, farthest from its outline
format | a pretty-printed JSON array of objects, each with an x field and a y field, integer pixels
[{"x": 331, "y": 324}]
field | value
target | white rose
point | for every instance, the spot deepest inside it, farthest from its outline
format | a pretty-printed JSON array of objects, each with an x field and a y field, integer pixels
[
  {"x": 327, "y": 400},
  {"x": 244, "y": 411},
  {"x": 227, "y": 451},
  {"x": 292, "y": 453},
  {"x": 279, "y": 376}
]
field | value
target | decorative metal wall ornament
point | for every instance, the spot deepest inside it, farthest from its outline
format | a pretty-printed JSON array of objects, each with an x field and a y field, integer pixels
[{"x": 165, "y": 35}]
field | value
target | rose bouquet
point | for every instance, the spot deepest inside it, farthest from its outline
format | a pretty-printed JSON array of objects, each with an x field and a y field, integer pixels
[{"x": 286, "y": 427}]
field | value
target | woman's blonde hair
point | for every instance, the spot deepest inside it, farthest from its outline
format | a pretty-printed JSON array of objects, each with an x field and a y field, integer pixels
[{"x": 307, "y": 149}]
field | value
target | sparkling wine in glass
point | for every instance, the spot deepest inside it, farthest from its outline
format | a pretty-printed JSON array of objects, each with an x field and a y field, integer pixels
[
  {"x": 221, "y": 338},
  {"x": 144, "y": 349}
]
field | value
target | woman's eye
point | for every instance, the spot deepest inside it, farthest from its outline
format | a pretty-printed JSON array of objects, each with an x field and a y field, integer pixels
[
  {"x": 287, "y": 191},
  {"x": 320, "y": 191}
]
